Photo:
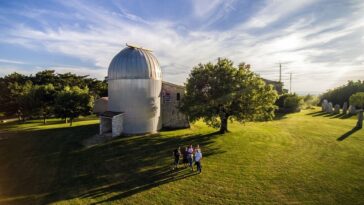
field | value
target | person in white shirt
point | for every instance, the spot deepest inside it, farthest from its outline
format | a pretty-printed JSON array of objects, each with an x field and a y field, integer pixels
[{"x": 198, "y": 157}]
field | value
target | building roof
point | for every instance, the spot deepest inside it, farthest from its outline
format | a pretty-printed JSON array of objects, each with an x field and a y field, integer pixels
[
  {"x": 103, "y": 99},
  {"x": 134, "y": 62},
  {"x": 110, "y": 114},
  {"x": 172, "y": 84}
]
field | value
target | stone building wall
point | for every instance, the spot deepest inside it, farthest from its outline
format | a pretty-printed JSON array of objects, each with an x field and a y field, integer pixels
[
  {"x": 117, "y": 125},
  {"x": 171, "y": 97},
  {"x": 111, "y": 123},
  {"x": 105, "y": 125},
  {"x": 100, "y": 105}
]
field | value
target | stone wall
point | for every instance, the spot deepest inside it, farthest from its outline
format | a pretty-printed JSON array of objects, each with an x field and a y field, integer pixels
[
  {"x": 100, "y": 105},
  {"x": 105, "y": 125},
  {"x": 117, "y": 125},
  {"x": 171, "y": 97},
  {"x": 111, "y": 124}
]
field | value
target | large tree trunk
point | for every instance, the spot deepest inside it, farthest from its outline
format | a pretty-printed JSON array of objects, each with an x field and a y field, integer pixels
[
  {"x": 224, "y": 124},
  {"x": 359, "y": 124},
  {"x": 44, "y": 119},
  {"x": 71, "y": 120}
]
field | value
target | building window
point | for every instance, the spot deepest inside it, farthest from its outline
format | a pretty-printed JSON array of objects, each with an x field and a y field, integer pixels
[{"x": 178, "y": 96}]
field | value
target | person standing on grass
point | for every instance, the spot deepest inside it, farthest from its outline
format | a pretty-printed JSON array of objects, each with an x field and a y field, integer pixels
[
  {"x": 198, "y": 157},
  {"x": 190, "y": 156},
  {"x": 184, "y": 157},
  {"x": 176, "y": 155},
  {"x": 197, "y": 148}
]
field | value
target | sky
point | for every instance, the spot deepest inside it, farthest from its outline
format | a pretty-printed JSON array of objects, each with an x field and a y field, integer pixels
[{"x": 321, "y": 42}]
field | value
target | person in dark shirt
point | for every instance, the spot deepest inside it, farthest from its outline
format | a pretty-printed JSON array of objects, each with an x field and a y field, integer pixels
[{"x": 176, "y": 155}]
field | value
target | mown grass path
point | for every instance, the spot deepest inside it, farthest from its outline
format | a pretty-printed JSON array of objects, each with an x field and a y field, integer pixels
[{"x": 303, "y": 158}]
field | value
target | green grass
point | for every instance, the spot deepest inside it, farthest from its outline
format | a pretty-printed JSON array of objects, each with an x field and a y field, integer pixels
[{"x": 303, "y": 158}]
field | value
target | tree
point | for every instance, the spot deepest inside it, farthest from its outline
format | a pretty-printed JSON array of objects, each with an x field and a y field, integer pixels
[
  {"x": 358, "y": 101},
  {"x": 11, "y": 87},
  {"x": 221, "y": 92},
  {"x": 73, "y": 102},
  {"x": 45, "y": 96},
  {"x": 26, "y": 100}
]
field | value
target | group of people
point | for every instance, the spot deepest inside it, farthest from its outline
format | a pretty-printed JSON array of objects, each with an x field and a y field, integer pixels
[{"x": 189, "y": 155}]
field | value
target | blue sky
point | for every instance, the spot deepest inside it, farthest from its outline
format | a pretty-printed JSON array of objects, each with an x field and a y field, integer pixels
[{"x": 321, "y": 42}]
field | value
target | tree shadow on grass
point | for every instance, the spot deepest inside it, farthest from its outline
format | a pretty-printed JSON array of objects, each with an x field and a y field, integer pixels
[
  {"x": 320, "y": 113},
  {"x": 46, "y": 166},
  {"x": 317, "y": 113},
  {"x": 347, "y": 134},
  {"x": 153, "y": 181},
  {"x": 340, "y": 116},
  {"x": 346, "y": 116},
  {"x": 330, "y": 115}
]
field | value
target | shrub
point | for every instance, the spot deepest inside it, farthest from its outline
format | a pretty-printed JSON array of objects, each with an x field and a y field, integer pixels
[
  {"x": 310, "y": 101},
  {"x": 289, "y": 103},
  {"x": 357, "y": 100}
]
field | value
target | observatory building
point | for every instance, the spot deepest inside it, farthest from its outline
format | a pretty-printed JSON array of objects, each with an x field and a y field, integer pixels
[{"x": 138, "y": 100}]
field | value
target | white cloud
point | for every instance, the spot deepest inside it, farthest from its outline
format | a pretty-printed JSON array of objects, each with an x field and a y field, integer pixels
[
  {"x": 7, "y": 61},
  {"x": 210, "y": 11},
  {"x": 275, "y": 10},
  {"x": 205, "y": 8},
  {"x": 300, "y": 42}
]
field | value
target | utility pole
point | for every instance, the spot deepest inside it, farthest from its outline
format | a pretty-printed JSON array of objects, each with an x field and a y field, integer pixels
[
  {"x": 280, "y": 72},
  {"x": 290, "y": 83}
]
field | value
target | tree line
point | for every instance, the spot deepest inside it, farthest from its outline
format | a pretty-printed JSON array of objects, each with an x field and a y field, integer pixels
[
  {"x": 342, "y": 94},
  {"x": 47, "y": 94}
]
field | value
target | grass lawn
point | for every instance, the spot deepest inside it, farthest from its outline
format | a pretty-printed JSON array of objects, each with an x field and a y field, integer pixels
[{"x": 303, "y": 158}]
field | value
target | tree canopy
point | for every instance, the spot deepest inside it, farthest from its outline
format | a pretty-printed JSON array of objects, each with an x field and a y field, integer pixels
[
  {"x": 45, "y": 96},
  {"x": 73, "y": 102},
  {"x": 341, "y": 94},
  {"x": 34, "y": 95},
  {"x": 221, "y": 92},
  {"x": 358, "y": 101}
]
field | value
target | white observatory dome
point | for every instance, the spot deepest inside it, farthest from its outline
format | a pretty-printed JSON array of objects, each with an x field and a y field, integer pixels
[
  {"x": 134, "y": 63},
  {"x": 134, "y": 86}
]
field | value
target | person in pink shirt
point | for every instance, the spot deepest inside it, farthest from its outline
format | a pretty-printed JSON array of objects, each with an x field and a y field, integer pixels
[{"x": 190, "y": 156}]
